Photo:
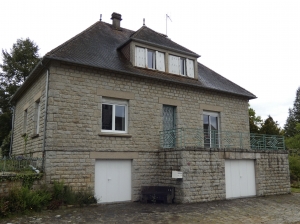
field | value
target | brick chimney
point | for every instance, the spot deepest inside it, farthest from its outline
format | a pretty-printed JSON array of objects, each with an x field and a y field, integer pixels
[{"x": 116, "y": 20}]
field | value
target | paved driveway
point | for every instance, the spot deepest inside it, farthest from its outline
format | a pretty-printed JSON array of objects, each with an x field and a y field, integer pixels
[{"x": 271, "y": 209}]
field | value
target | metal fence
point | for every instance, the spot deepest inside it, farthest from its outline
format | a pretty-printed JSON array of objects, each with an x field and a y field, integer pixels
[
  {"x": 20, "y": 163},
  {"x": 197, "y": 137}
]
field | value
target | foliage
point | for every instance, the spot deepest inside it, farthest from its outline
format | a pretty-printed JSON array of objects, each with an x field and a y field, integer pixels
[
  {"x": 294, "y": 117},
  {"x": 254, "y": 121},
  {"x": 294, "y": 141},
  {"x": 63, "y": 194},
  {"x": 26, "y": 178},
  {"x": 5, "y": 147},
  {"x": 257, "y": 125},
  {"x": 24, "y": 199},
  {"x": 294, "y": 163},
  {"x": 270, "y": 127},
  {"x": 16, "y": 66}
]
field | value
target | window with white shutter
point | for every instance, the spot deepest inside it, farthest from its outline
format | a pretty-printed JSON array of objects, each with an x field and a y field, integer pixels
[
  {"x": 190, "y": 68},
  {"x": 174, "y": 65},
  {"x": 140, "y": 57},
  {"x": 160, "y": 61}
]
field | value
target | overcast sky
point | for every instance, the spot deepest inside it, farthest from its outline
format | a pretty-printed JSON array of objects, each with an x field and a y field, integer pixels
[{"x": 254, "y": 43}]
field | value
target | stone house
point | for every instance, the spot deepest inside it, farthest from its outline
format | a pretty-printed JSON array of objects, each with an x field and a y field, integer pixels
[{"x": 114, "y": 110}]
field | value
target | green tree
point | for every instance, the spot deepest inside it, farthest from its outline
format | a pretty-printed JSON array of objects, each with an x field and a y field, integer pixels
[
  {"x": 294, "y": 117},
  {"x": 294, "y": 142},
  {"x": 254, "y": 121},
  {"x": 16, "y": 66},
  {"x": 270, "y": 127}
]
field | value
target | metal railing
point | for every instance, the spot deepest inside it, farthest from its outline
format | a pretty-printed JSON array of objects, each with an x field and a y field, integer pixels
[
  {"x": 197, "y": 137},
  {"x": 20, "y": 163}
]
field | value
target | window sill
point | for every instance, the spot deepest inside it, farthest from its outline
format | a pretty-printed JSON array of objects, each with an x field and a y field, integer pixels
[
  {"x": 34, "y": 136},
  {"x": 115, "y": 135}
]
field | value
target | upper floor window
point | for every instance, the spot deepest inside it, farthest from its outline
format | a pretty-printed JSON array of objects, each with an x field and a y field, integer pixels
[
  {"x": 151, "y": 59},
  {"x": 211, "y": 129},
  {"x": 181, "y": 66}
]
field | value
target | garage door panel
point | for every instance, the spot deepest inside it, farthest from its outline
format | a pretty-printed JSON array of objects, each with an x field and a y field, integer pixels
[
  {"x": 228, "y": 180},
  {"x": 239, "y": 178},
  {"x": 113, "y": 180}
]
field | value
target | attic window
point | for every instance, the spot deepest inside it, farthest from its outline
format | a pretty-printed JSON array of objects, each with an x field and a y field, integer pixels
[
  {"x": 147, "y": 58},
  {"x": 181, "y": 66}
]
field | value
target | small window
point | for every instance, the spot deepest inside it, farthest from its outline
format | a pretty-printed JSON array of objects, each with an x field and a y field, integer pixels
[
  {"x": 37, "y": 116},
  {"x": 25, "y": 121},
  {"x": 114, "y": 116}
]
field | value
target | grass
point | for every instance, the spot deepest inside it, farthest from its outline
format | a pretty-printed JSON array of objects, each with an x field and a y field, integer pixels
[{"x": 295, "y": 190}]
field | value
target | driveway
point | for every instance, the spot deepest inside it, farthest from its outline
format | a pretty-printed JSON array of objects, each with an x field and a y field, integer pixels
[{"x": 270, "y": 209}]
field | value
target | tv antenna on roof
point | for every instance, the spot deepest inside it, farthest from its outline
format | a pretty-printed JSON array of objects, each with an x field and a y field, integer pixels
[{"x": 167, "y": 23}]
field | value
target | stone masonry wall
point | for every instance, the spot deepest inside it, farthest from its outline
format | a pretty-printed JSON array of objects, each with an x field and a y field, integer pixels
[
  {"x": 74, "y": 112},
  {"x": 27, "y": 101},
  {"x": 74, "y": 120},
  {"x": 272, "y": 170},
  {"x": 204, "y": 172}
]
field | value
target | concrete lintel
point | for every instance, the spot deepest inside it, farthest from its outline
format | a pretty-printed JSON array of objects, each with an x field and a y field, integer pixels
[
  {"x": 168, "y": 101},
  {"x": 114, "y": 155},
  {"x": 115, "y": 94}
]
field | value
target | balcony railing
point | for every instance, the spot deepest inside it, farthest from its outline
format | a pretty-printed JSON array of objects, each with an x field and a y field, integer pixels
[
  {"x": 19, "y": 164},
  {"x": 197, "y": 137}
]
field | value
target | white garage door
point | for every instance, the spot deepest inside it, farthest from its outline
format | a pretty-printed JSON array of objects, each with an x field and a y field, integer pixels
[
  {"x": 239, "y": 178},
  {"x": 113, "y": 180}
]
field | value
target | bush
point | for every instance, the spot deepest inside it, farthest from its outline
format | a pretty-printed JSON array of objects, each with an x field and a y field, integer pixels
[
  {"x": 63, "y": 194},
  {"x": 24, "y": 199},
  {"x": 294, "y": 162},
  {"x": 20, "y": 200}
]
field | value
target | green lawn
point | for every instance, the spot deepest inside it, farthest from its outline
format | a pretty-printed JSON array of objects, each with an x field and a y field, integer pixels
[{"x": 295, "y": 190}]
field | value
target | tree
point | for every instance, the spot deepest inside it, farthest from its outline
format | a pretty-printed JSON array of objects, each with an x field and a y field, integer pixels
[
  {"x": 270, "y": 127},
  {"x": 294, "y": 142},
  {"x": 294, "y": 117},
  {"x": 17, "y": 65},
  {"x": 254, "y": 121}
]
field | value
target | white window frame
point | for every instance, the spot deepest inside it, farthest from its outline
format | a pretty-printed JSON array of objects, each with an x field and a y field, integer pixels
[
  {"x": 114, "y": 103},
  {"x": 141, "y": 59}
]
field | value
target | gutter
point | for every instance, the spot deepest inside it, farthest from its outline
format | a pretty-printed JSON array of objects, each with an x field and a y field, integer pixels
[
  {"x": 45, "y": 117},
  {"x": 12, "y": 131}
]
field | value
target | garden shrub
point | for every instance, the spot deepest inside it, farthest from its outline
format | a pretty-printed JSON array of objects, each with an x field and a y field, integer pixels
[{"x": 294, "y": 162}]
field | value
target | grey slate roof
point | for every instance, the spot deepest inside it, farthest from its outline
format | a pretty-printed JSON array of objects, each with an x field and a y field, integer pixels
[{"x": 99, "y": 47}]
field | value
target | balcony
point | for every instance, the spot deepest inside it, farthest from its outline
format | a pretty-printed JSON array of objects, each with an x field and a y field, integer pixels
[{"x": 197, "y": 137}]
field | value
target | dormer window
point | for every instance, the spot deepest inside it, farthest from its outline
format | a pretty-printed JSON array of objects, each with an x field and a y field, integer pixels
[
  {"x": 181, "y": 66},
  {"x": 147, "y": 58}
]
